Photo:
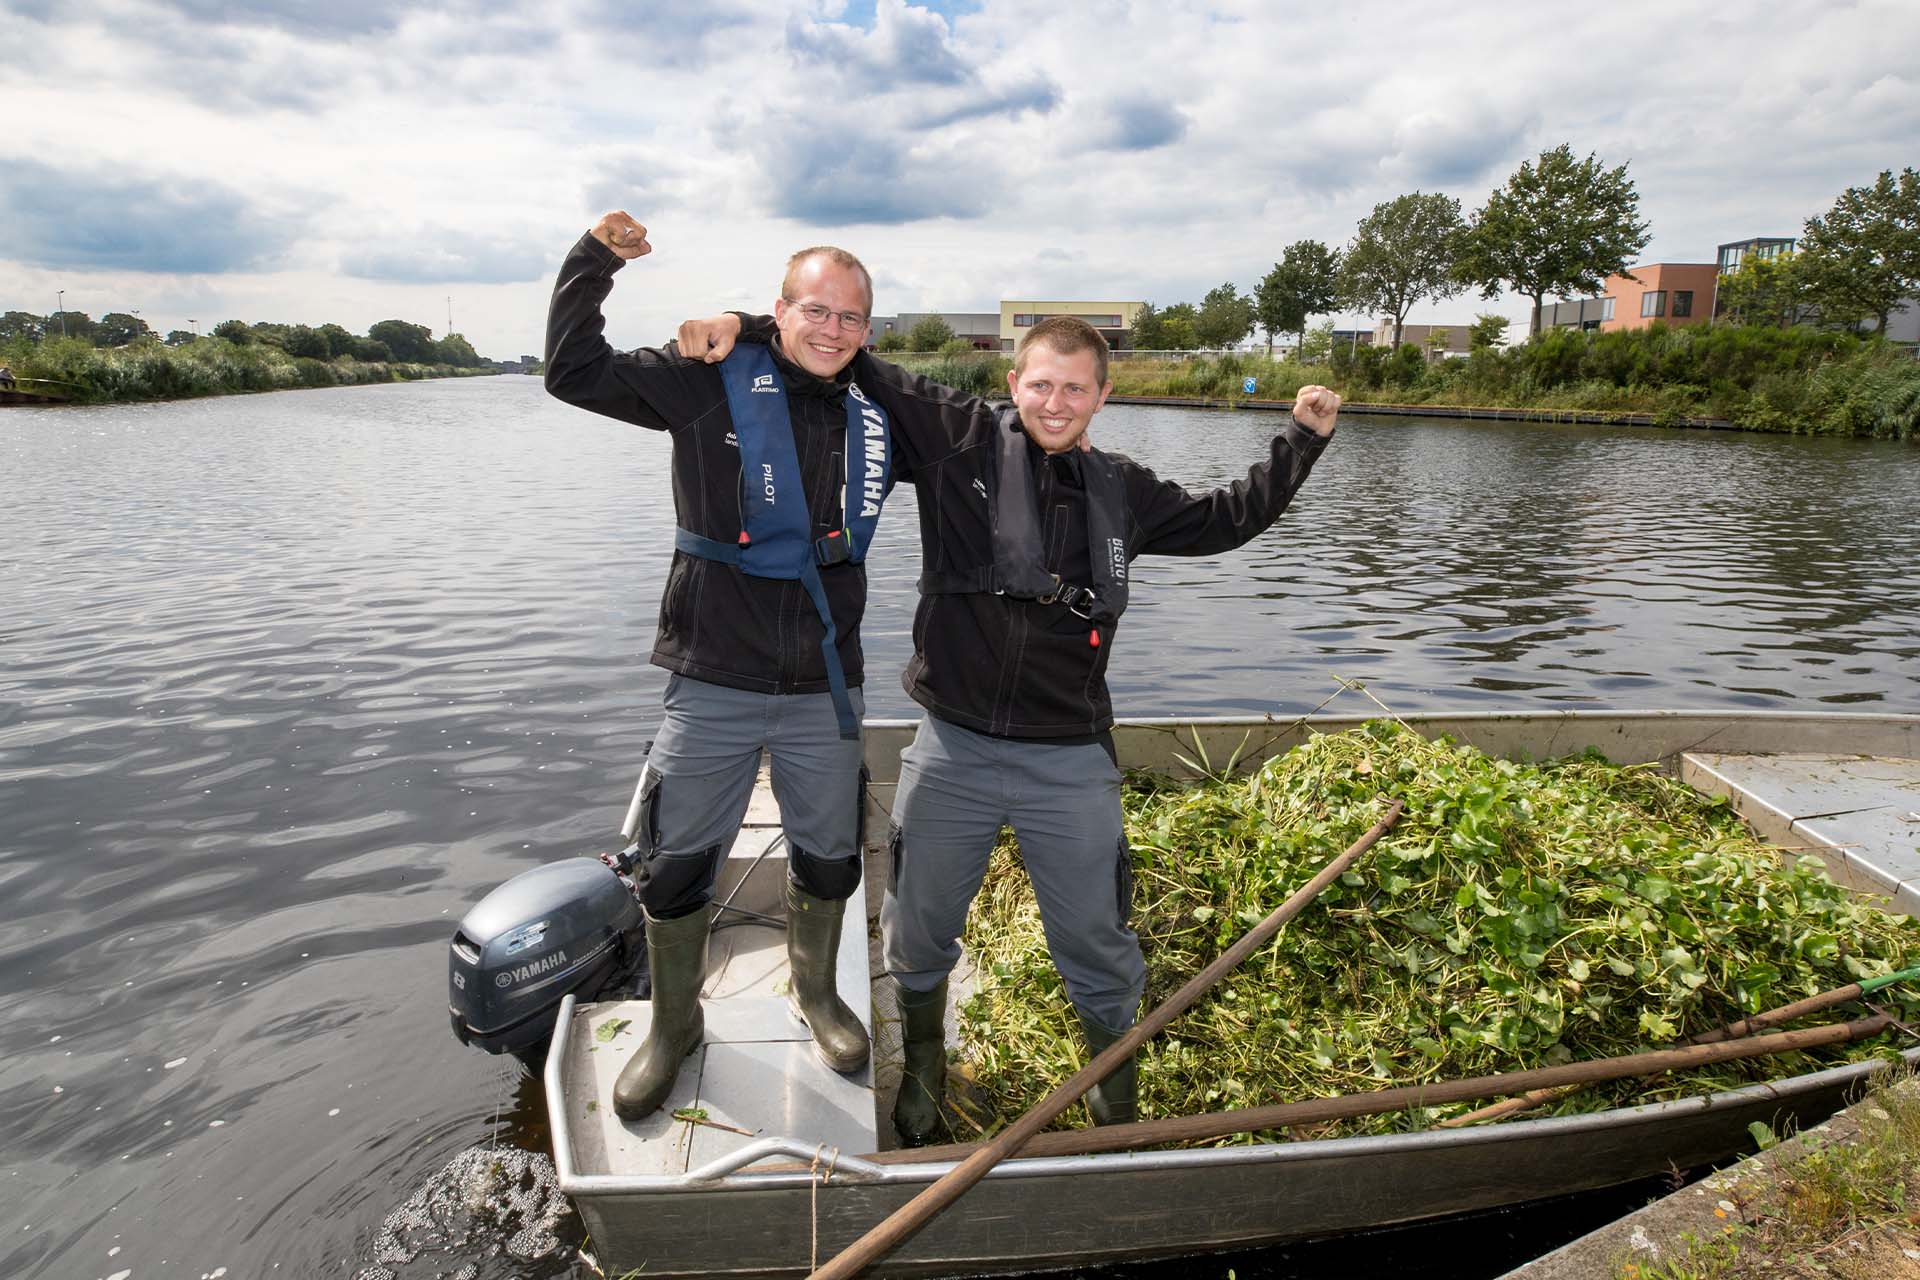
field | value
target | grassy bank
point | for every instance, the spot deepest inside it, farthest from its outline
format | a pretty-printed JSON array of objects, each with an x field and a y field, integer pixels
[
  {"x": 1838, "y": 1205},
  {"x": 150, "y": 370},
  {"x": 1791, "y": 380}
]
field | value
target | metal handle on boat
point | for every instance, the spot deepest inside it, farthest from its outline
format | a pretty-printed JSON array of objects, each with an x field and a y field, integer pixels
[{"x": 734, "y": 1161}]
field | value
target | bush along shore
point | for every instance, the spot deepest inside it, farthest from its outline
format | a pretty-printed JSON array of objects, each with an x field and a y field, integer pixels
[
  {"x": 150, "y": 370},
  {"x": 1757, "y": 378}
]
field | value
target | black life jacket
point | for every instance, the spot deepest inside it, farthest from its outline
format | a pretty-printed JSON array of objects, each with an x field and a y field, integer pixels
[
  {"x": 1019, "y": 564},
  {"x": 777, "y": 540}
]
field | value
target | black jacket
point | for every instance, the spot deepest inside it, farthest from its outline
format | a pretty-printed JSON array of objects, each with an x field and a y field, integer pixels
[
  {"x": 716, "y": 623},
  {"x": 1014, "y": 668}
]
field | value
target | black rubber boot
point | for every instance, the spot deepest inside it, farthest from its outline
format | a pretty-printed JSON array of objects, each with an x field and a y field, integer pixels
[
  {"x": 813, "y": 945},
  {"x": 677, "y": 957},
  {"x": 923, "y": 1076},
  {"x": 1112, "y": 1100}
]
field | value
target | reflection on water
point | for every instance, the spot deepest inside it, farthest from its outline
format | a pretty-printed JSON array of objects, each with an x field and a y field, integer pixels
[{"x": 287, "y": 682}]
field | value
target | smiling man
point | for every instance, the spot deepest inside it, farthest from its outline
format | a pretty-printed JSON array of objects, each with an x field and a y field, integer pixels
[
  {"x": 759, "y": 620},
  {"x": 1026, "y": 534}
]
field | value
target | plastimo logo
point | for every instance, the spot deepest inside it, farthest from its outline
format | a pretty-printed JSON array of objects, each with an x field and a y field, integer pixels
[{"x": 513, "y": 977}]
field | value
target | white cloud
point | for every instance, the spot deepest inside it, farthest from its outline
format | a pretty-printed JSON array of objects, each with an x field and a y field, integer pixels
[{"x": 366, "y": 161}]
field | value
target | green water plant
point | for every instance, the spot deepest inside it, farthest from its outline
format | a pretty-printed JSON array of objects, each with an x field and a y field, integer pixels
[{"x": 1519, "y": 915}]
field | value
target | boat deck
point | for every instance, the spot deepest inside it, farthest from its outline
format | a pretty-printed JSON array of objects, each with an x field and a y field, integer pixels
[
  {"x": 757, "y": 1069},
  {"x": 1860, "y": 815}
]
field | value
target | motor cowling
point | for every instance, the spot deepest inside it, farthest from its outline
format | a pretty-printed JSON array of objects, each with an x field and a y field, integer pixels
[{"x": 567, "y": 928}]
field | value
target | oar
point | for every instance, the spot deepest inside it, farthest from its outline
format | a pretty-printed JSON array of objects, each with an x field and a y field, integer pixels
[
  {"x": 1221, "y": 1124},
  {"x": 1732, "y": 1031},
  {"x": 913, "y": 1215}
]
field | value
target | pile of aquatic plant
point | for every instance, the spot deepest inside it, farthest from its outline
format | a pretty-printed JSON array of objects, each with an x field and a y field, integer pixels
[{"x": 1518, "y": 915}]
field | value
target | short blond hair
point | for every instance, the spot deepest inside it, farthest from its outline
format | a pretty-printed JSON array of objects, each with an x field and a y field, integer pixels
[
  {"x": 838, "y": 257},
  {"x": 1068, "y": 336}
]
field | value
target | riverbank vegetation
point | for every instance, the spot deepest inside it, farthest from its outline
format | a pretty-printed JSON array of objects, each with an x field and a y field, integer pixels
[
  {"x": 1761, "y": 378},
  {"x": 119, "y": 358},
  {"x": 1840, "y": 1204},
  {"x": 1517, "y": 916}
]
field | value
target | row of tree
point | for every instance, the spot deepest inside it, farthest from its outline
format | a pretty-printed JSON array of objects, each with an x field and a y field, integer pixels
[
  {"x": 385, "y": 341},
  {"x": 1558, "y": 227}
]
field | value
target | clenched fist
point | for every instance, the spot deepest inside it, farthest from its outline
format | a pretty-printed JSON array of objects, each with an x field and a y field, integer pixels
[
  {"x": 620, "y": 233},
  {"x": 1315, "y": 408}
]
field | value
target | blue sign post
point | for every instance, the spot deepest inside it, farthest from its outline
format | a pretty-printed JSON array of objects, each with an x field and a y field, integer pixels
[{"x": 1248, "y": 386}]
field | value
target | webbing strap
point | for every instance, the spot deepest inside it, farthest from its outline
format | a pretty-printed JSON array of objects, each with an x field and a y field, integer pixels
[
  {"x": 727, "y": 553},
  {"x": 706, "y": 548},
  {"x": 830, "y": 653}
]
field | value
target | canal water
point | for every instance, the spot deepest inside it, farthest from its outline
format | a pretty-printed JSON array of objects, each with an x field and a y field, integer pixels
[{"x": 288, "y": 682}]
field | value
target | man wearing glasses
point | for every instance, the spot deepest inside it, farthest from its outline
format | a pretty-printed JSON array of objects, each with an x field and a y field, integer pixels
[{"x": 780, "y": 465}]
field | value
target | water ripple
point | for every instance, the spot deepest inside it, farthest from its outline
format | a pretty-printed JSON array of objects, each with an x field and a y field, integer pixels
[{"x": 288, "y": 682}]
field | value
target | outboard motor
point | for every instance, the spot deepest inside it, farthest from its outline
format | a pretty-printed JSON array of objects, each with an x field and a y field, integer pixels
[{"x": 568, "y": 928}]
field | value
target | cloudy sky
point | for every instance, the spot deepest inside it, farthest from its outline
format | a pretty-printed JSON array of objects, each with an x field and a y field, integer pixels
[{"x": 352, "y": 160}]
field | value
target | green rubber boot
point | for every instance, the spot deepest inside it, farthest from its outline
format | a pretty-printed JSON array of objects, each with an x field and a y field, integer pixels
[
  {"x": 923, "y": 1077},
  {"x": 677, "y": 957},
  {"x": 1112, "y": 1100},
  {"x": 813, "y": 945}
]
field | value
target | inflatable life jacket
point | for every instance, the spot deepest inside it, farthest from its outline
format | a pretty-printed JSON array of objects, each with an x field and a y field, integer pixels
[
  {"x": 777, "y": 540},
  {"x": 1019, "y": 566}
]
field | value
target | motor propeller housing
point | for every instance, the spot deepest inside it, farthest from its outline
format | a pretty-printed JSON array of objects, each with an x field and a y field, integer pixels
[{"x": 567, "y": 928}]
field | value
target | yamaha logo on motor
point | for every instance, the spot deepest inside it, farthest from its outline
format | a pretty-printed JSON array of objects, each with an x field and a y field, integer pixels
[{"x": 510, "y": 977}]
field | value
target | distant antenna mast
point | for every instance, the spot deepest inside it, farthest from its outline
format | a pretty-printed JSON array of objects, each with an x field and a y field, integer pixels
[{"x": 449, "y": 315}]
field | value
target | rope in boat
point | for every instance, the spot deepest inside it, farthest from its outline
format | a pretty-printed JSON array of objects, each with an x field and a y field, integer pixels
[{"x": 813, "y": 1198}]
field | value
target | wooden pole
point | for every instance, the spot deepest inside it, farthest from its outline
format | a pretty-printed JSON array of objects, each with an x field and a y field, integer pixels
[
  {"x": 1732, "y": 1031},
  {"x": 1220, "y": 1124},
  {"x": 914, "y": 1214}
]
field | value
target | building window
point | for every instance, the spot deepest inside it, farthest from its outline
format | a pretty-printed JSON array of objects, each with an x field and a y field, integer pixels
[
  {"x": 1682, "y": 303},
  {"x": 1022, "y": 321},
  {"x": 1730, "y": 258},
  {"x": 1606, "y": 309},
  {"x": 1653, "y": 302},
  {"x": 1103, "y": 322}
]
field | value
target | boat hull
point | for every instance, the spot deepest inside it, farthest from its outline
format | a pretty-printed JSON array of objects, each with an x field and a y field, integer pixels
[{"x": 739, "y": 1217}]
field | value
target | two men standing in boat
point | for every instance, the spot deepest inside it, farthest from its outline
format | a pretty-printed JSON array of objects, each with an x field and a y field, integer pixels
[{"x": 1026, "y": 536}]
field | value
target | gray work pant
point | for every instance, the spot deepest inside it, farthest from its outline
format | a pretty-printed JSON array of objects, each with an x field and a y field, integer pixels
[
  {"x": 957, "y": 788},
  {"x": 700, "y": 775}
]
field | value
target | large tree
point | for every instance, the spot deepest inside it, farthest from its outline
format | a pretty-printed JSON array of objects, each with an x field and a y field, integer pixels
[
  {"x": 1402, "y": 252},
  {"x": 1303, "y": 284},
  {"x": 118, "y": 328},
  {"x": 21, "y": 324},
  {"x": 1147, "y": 333},
  {"x": 71, "y": 324},
  {"x": 1862, "y": 256},
  {"x": 304, "y": 340},
  {"x": 339, "y": 341},
  {"x": 1559, "y": 226},
  {"x": 929, "y": 334},
  {"x": 1765, "y": 291},
  {"x": 1180, "y": 327},
  {"x": 409, "y": 343},
  {"x": 1226, "y": 316}
]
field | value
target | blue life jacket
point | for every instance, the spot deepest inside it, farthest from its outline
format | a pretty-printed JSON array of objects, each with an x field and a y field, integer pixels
[{"x": 778, "y": 540}]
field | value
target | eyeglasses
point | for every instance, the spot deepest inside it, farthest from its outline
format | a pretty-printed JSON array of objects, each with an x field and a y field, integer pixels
[{"x": 817, "y": 314}]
